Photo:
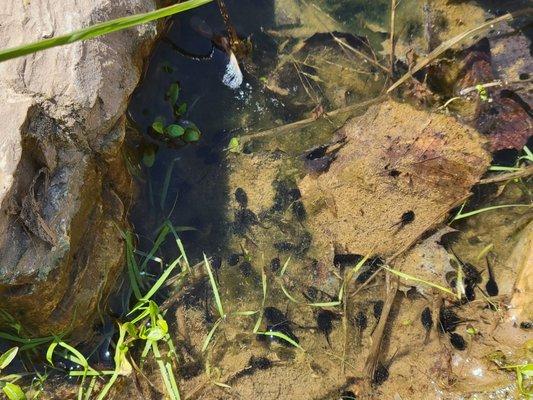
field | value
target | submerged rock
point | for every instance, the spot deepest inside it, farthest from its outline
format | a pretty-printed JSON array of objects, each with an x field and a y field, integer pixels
[{"x": 63, "y": 179}]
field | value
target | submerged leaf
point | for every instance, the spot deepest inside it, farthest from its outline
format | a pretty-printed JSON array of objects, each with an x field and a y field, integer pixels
[
  {"x": 13, "y": 392},
  {"x": 173, "y": 93},
  {"x": 174, "y": 130},
  {"x": 159, "y": 125},
  {"x": 192, "y": 134}
]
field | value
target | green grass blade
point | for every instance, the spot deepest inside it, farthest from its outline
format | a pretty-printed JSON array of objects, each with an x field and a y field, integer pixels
[
  {"x": 214, "y": 287},
  {"x": 120, "y": 355},
  {"x": 133, "y": 268},
  {"x": 210, "y": 334},
  {"x": 166, "y": 183},
  {"x": 164, "y": 276},
  {"x": 179, "y": 244},
  {"x": 100, "y": 29},
  {"x": 415, "y": 279},
  {"x": 281, "y": 336},
  {"x": 265, "y": 289},
  {"x": 460, "y": 215},
  {"x": 166, "y": 373}
]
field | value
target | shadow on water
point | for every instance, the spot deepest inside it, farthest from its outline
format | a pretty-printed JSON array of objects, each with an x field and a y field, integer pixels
[{"x": 198, "y": 191}]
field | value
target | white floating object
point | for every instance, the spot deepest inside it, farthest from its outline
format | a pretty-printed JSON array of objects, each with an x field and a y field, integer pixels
[{"x": 232, "y": 76}]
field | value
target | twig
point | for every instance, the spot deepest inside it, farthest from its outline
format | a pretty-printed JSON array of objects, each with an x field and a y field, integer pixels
[
  {"x": 498, "y": 82},
  {"x": 522, "y": 173},
  {"x": 360, "y": 54},
  {"x": 455, "y": 40},
  {"x": 392, "y": 39},
  {"x": 299, "y": 124},
  {"x": 392, "y": 283}
]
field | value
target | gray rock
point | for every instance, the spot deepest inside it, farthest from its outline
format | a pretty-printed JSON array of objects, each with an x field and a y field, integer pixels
[{"x": 63, "y": 180}]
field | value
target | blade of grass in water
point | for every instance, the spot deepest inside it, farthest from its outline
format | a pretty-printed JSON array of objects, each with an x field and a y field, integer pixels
[
  {"x": 100, "y": 29},
  {"x": 220, "y": 309},
  {"x": 460, "y": 215},
  {"x": 415, "y": 279}
]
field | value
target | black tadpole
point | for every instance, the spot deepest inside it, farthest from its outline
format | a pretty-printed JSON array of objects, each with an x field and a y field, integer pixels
[
  {"x": 457, "y": 341},
  {"x": 491, "y": 286},
  {"x": 427, "y": 322},
  {"x": 241, "y": 197}
]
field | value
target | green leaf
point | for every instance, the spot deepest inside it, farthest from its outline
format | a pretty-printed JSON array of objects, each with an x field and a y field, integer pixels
[
  {"x": 149, "y": 156},
  {"x": 192, "y": 134},
  {"x": 234, "y": 145},
  {"x": 180, "y": 110},
  {"x": 13, "y": 392},
  {"x": 7, "y": 357},
  {"x": 159, "y": 125},
  {"x": 174, "y": 130},
  {"x": 173, "y": 93}
]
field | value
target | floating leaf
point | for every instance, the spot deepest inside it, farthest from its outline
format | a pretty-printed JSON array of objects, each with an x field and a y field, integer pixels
[
  {"x": 174, "y": 130},
  {"x": 7, "y": 357},
  {"x": 13, "y": 392},
  {"x": 173, "y": 93},
  {"x": 192, "y": 134},
  {"x": 159, "y": 125}
]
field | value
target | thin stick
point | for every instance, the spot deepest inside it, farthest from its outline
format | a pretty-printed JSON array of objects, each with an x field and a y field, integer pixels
[
  {"x": 392, "y": 39},
  {"x": 392, "y": 283},
  {"x": 299, "y": 124},
  {"x": 455, "y": 40},
  {"x": 359, "y": 53},
  {"x": 522, "y": 173}
]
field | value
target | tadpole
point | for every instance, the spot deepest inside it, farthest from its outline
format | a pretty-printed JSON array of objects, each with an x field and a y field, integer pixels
[
  {"x": 324, "y": 323},
  {"x": 427, "y": 322},
  {"x": 378, "y": 309},
  {"x": 241, "y": 197},
  {"x": 448, "y": 320},
  {"x": 381, "y": 374},
  {"x": 491, "y": 286},
  {"x": 275, "y": 264},
  {"x": 457, "y": 341}
]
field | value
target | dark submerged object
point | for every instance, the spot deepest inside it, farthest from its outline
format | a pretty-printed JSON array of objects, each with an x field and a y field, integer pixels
[
  {"x": 275, "y": 264},
  {"x": 241, "y": 197},
  {"x": 324, "y": 322},
  {"x": 284, "y": 246},
  {"x": 216, "y": 262},
  {"x": 491, "y": 286},
  {"x": 378, "y": 309},
  {"x": 277, "y": 322},
  {"x": 246, "y": 268},
  {"x": 298, "y": 210},
  {"x": 233, "y": 259},
  {"x": 381, "y": 374},
  {"x": 426, "y": 319},
  {"x": 361, "y": 321},
  {"x": 348, "y": 395},
  {"x": 457, "y": 341},
  {"x": 526, "y": 325},
  {"x": 448, "y": 320}
]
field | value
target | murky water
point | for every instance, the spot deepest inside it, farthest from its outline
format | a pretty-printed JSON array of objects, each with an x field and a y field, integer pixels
[{"x": 242, "y": 207}]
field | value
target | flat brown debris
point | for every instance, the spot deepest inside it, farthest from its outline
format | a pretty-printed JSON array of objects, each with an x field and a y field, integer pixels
[{"x": 397, "y": 159}]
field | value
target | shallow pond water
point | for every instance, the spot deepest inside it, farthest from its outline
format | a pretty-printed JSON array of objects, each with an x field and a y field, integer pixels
[{"x": 239, "y": 203}]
